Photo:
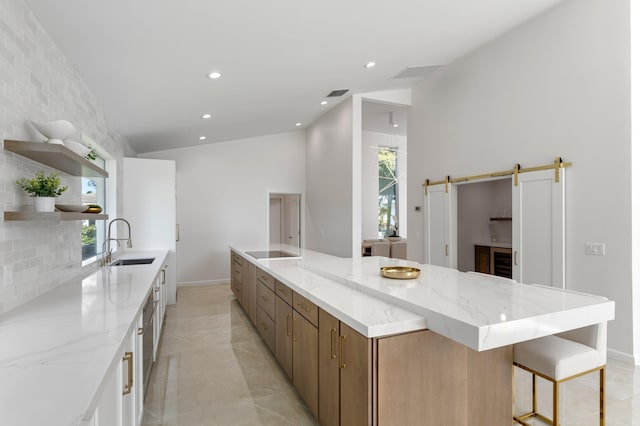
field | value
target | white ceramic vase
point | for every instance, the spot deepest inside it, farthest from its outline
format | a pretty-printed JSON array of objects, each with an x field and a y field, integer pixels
[{"x": 44, "y": 204}]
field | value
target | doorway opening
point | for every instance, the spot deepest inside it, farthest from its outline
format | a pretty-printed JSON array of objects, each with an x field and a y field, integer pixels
[{"x": 284, "y": 219}]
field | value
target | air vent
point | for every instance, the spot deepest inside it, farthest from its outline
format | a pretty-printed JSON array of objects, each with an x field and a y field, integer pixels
[{"x": 337, "y": 93}]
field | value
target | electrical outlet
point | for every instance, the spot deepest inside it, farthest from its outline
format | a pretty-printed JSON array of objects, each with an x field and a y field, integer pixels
[{"x": 594, "y": 249}]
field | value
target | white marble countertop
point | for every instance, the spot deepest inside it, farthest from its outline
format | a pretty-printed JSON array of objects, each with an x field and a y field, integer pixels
[
  {"x": 56, "y": 349},
  {"x": 478, "y": 311}
]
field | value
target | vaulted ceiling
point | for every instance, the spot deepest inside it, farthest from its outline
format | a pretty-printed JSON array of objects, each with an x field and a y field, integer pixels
[{"x": 147, "y": 61}]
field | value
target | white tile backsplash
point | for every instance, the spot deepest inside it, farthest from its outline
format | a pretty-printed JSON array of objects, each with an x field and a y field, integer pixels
[{"x": 38, "y": 83}]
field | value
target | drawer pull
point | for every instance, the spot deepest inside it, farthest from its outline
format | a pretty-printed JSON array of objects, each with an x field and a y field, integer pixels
[
  {"x": 140, "y": 331},
  {"x": 289, "y": 317},
  {"x": 264, "y": 326},
  {"x": 331, "y": 353},
  {"x": 342, "y": 364},
  {"x": 283, "y": 291},
  {"x": 266, "y": 299},
  {"x": 128, "y": 358},
  {"x": 303, "y": 306}
]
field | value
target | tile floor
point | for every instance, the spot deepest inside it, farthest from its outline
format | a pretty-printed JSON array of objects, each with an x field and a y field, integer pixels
[{"x": 213, "y": 369}]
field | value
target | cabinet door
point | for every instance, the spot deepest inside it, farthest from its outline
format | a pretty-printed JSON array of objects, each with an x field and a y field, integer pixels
[
  {"x": 130, "y": 387},
  {"x": 328, "y": 369},
  {"x": 483, "y": 259},
  {"x": 251, "y": 283},
  {"x": 305, "y": 361},
  {"x": 284, "y": 335},
  {"x": 440, "y": 230},
  {"x": 354, "y": 356}
]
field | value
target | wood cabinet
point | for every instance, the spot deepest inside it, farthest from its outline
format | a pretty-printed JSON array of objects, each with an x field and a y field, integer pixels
[
  {"x": 236, "y": 276},
  {"x": 305, "y": 360},
  {"x": 284, "y": 336},
  {"x": 493, "y": 260},
  {"x": 344, "y": 370}
]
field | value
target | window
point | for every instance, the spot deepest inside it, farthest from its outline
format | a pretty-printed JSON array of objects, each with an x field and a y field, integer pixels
[
  {"x": 388, "y": 192},
  {"x": 93, "y": 231}
]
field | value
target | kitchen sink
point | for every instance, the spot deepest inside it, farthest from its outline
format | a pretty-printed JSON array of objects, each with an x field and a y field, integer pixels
[{"x": 126, "y": 262}]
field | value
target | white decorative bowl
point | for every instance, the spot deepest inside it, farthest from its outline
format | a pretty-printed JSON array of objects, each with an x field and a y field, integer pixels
[
  {"x": 55, "y": 131},
  {"x": 77, "y": 147}
]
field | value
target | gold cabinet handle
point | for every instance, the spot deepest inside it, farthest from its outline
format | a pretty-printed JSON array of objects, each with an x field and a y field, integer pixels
[
  {"x": 303, "y": 306},
  {"x": 446, "y": 249},
  {"x": 289, "y": 317},
  {"x": 128, "y": 358},
  {"x": 283, "y": 291},
  {"x": 264, "y": 326},
  {"x": 515, "y": 258},
  {"x": 140, "y": 331},
  {"x": 164, "y": 275},
  {"x": 264, "y": 298},
  {"x": 331, "y": 353},
  {"x": 342, "y": 364}
]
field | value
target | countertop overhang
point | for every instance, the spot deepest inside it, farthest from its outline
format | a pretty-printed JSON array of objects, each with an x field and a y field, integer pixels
[{"x": 480, "y": 312}]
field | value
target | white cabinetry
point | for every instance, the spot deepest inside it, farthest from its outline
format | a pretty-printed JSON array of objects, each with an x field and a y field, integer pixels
[
  {"x": 160, "y": 298},
  {"x": 149, "y": 204},
  {"x": 121, "y": 400}
]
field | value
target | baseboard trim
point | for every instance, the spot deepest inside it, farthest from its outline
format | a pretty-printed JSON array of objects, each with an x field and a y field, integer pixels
[
  {"x": 622, "y": 357},
  {"x": 201, "y": 283}
]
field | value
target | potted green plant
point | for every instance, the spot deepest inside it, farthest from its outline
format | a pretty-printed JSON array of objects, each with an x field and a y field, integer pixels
[{"x": 44, "y": 189}]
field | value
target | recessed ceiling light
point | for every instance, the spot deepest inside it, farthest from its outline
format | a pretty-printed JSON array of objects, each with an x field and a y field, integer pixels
[
  {"x": 205, "y": 116},
  {"x": 395, "y": 125},
  {"x": 215, "y": 74},
  {"x": 202, "y": 138},
  {"x": 370, "y": 64},
  {"x": 298, "y": 124},
  {"x": 324, "y": 103}
]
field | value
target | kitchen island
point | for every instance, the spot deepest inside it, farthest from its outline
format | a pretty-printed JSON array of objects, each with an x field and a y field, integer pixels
[{"x": 438, "y": 348}]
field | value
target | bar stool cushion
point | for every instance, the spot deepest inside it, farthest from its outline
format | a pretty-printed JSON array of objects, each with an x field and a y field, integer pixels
[{"x": 556, "y": 357}]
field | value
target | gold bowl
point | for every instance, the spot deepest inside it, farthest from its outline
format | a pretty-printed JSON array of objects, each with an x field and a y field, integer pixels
[{"x": 400, "y": 272}]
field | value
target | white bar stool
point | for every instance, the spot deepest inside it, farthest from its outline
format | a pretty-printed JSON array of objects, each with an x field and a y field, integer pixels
[{"x": 563, "y": 357}]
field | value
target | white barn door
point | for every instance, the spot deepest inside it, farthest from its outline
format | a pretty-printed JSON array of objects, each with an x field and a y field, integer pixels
[
  {"x": 440, "y": 241},
  {"x": 538, "y": 228}
]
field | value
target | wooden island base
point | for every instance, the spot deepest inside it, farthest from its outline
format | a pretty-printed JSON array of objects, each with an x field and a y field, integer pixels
[{"x": 422, "y": 378}]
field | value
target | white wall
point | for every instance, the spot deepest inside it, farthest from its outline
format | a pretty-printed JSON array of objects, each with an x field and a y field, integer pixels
[
  {"x": 329, "y": 176},
  {"x": 558, "y": 85},
  {"x": 223, "y": 198},
  {"x": 634, "y": 48},
  {"x": 371, "y": 142},
  {"x": 38, "y": 83}
]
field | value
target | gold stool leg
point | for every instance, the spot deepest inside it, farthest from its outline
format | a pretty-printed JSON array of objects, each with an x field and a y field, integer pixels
[
  {"x": 534, "y": 397},
  {"x": 556, "y": 408},
  {"x": 602, "y": 396}
]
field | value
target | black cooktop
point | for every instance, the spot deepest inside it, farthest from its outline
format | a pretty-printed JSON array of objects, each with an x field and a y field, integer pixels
[{"x": 271, "y": 254}]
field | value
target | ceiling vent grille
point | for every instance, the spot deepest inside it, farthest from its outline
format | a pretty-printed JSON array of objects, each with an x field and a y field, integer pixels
[{"x": 337, "y": 93}]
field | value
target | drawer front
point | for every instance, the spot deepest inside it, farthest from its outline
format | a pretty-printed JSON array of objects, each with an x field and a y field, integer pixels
[
  {"x": 237, "y": 272},
  {"x": 306, "y": 308},
  {"x": 266, "y": 328},
  {"x": 284, "y": 292},
  {"x": 266, "y": 279},
  {"x": 266, "y": 300}
]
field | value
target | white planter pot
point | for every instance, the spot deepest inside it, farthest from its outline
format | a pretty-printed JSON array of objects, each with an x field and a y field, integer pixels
[{"x": 44, "y": 204}]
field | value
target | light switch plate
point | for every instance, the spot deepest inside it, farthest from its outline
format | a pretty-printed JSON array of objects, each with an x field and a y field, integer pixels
[{"x": 594, "y": 249}]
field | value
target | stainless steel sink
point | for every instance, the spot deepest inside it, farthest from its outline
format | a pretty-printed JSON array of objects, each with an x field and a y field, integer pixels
[{"x": 126, "y": 262}]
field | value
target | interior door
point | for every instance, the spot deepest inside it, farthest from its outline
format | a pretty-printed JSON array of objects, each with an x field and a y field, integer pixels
[
  {"x": 293, "y": 228},
  {"x": 440, "y": 231},
  {"x": 538, "y": 228},
  {"x": 275, "y": 220}
]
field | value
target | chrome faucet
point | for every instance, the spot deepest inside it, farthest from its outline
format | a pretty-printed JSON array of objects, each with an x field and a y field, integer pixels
[
  {"x": 106, "y": 255},
  {"x": 106, "y": 246}
]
